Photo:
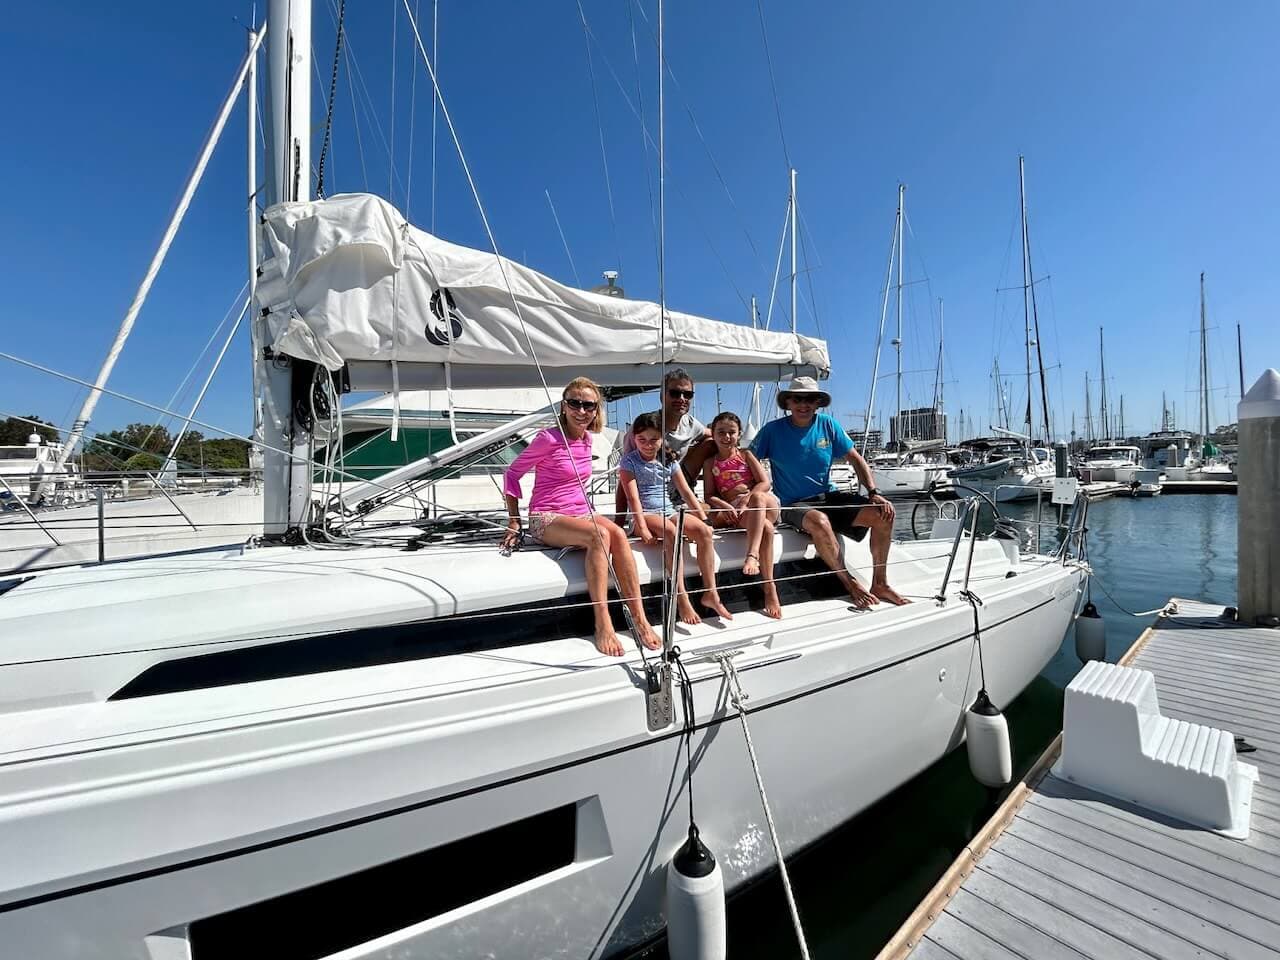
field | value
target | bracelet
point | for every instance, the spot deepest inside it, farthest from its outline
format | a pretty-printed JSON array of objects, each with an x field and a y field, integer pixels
[{"x": 515, "y": 520}]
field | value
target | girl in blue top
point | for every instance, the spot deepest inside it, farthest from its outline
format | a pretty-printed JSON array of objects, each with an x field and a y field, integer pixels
[{"x": 646, "y": 478}]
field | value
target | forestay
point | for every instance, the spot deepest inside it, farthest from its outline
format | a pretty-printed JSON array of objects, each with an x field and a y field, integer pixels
[{"x": 349, "y": 281}]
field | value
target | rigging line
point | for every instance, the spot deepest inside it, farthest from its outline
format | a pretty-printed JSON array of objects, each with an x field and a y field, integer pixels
[
  {"x": 773, "y": 85},
  {"x": 222, "y": 431},
  {"x": 413, "y": 123},
  {"x": 565, "y": 243},
  {"x": 604, "y": 158},
  {"x": 367, "y": 105},
  {"x": 391, "y": 150},
  {"x": 226, "y": 317},
  {"x": 813, "y": 300},
  {"x": 777, "y": 267},
  {"x": 680, "y": 192},
  {"x": 502, "y": 269},
  {"x": 333, "y": 92},
  {"x": 715, "y": 166},
  {"x": 644, "y": 127},
  {"x": 435, "y": 53},
  {"x": 355, "y": 119}
]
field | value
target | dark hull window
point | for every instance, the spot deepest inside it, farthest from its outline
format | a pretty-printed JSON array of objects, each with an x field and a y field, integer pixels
[
  {"x": 507, "y": 627},
  {"x": 351, "y": 910}
]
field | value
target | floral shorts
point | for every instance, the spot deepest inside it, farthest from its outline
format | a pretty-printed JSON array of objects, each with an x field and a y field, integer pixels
[{"x": 538, "y": 523}]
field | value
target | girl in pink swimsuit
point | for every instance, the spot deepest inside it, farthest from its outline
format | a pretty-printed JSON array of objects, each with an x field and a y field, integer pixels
[
  {"x": 559, "y": 515},
  {"x": 737, "y": 491}
]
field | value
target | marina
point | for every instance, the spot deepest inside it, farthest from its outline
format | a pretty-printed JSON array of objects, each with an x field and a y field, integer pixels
[
  {"x": 1062, "y": 871},
  {"x": 376, "y": 583}
]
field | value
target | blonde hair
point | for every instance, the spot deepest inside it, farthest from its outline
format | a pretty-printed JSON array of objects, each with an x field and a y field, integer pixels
[{"x": 584, "y": 383}]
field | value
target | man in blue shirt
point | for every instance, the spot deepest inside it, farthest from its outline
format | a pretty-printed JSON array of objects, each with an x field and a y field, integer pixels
[{"x": 800, "y": 448}]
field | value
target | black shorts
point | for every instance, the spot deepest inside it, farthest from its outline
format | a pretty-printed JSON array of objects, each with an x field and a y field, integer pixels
[{"x": 841, "y": 508}]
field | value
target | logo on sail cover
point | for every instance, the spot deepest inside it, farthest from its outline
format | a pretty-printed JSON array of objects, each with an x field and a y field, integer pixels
[{"x": 444, "y": 324}]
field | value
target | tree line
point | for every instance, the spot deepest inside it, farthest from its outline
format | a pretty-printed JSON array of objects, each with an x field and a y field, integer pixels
[{"x": 139, "y": 446}]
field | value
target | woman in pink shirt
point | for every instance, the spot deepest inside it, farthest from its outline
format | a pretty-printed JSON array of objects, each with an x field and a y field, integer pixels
[{"x": 559, "y": 515}]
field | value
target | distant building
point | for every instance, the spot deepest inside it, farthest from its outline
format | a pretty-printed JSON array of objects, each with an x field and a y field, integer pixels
[
  {"x": 874, "y": 438},
  {"x": 922, "y": 423}
]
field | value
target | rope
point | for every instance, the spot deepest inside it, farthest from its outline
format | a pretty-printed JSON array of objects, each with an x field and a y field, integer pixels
[
  {"x": 604, "y": 159},
  {"x": 1093, "y": 578},
  {"x": 739, "y": 699},
  {"x": 773, "y": 85},
  {"x": 333, "y": 93}
]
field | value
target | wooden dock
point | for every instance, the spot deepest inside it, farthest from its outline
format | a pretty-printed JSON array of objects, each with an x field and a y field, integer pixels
[{"x": 1062, "y": 872}]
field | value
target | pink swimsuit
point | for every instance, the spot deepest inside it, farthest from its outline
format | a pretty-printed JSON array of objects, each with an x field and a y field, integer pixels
[{"x": 731, "y": 473}]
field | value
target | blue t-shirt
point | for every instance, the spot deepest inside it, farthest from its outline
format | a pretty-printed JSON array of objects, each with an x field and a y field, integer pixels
[
  {"x": 653, "y": 478},
  {"x": 800, "y": 459}
]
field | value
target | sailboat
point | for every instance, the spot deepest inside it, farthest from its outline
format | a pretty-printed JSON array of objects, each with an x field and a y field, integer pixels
[
  {"x": 392, "y": 741},
  {"x": 1031, "y": 475},
  {"x": 916, "y": 463}
]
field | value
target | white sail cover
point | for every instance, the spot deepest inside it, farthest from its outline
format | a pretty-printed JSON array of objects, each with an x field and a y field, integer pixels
[{"x": 348, "y": 279}]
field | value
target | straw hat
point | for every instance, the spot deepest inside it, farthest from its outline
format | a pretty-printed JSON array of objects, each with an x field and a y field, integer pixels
[{"x": 804, "y": 387}]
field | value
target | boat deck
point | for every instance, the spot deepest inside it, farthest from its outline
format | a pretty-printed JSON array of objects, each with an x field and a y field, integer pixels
[{"x": 1062, "y": 872}]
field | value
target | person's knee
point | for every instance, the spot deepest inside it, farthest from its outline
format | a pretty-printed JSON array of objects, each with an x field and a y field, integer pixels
[{"x": 817, "y": 523}]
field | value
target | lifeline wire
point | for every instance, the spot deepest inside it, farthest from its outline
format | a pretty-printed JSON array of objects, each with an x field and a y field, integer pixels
[{"x": 738, "y": 698}]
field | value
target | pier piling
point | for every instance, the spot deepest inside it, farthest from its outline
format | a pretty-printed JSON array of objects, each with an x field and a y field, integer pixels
[{"x": 1258, "y": 473}]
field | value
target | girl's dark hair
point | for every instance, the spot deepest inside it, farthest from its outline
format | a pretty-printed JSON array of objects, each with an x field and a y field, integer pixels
[
  {"x": 727, "y": 415},
  {"x": 652, "y": 421}
]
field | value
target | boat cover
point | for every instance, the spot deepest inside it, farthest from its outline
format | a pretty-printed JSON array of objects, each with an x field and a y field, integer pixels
[{"x": 348, "y": 279}]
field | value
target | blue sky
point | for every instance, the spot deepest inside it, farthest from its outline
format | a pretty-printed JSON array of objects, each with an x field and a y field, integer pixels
[{"x": 1149, "y": 129}]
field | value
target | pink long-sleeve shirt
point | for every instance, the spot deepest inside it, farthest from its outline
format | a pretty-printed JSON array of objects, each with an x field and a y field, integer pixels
[{"x": 557, "y": 479}]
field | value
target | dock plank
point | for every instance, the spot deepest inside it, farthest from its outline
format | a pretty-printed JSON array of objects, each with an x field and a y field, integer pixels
[
  {"x": 958, "y": 940},
  {"x": 1140, "y": 914},
  {"x": 1066, "y": 871},
  {"x": 1006, "y": 892},
  {"x": 1008, "y": 929},
  {"x": 1189, "y": 888}
]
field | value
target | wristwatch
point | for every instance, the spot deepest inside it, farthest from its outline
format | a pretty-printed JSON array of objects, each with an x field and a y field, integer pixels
[{"x": 872, "y": 492}]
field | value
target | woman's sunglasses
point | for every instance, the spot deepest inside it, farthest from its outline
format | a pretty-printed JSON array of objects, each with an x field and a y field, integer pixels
[
  {"x": 587, "y": 406},
  {"x": 678, "y": 394}
]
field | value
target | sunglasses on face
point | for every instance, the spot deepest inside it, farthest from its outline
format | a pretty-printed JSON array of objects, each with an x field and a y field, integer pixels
[
  {"x": 805, "y": 401},
  {"x": 586, "y": 406},
  {"x": 680, "y": 394}
]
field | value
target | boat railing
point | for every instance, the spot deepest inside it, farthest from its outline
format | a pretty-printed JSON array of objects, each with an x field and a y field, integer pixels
[{"x": 1073, "y": 529}]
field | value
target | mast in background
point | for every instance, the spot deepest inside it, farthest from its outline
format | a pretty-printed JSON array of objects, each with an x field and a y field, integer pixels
[
  {"x": 793, "y": 250},
  {"x": 1240, "y": 359},
  {"x": 1204, "y": 373},
  {"x": 1102, "y": 412},
  {"x": 1026, "y": 300},
  {"x": 897, "y": 340}
]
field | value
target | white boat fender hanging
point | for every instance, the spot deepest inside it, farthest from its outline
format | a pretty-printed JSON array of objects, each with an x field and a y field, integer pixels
[
  {"x": 696, "y": 921},
  {"x": 987, "y": 736},
  {"x": 1091, "y": 635}
]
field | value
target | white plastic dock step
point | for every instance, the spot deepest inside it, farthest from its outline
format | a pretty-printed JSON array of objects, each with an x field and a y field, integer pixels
[{"x": 1116, "y": 741}]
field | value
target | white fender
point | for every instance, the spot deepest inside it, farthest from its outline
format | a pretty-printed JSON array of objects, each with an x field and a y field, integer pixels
[
  {"x": 696, "y": 921},
  {"x": 987, "y": 735}
]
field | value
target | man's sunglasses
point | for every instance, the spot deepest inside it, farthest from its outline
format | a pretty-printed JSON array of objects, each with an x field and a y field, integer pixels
[
  {"x": 678, "y": 394},
  {"x": 587, "y": 406}
]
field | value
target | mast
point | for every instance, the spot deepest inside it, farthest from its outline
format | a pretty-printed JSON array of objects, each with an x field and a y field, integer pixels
[
  {"x": 1240, "y": 359},
  {"x": 1088, "y": 411},
  {"x": 1035, "y": 313},
  {"x": 884, "y": 312},
  {"x": 1121, "y": 437},
  {"x": 1026, "y": 296},
  {"x": 793, "y": 250},
  {"x": 1102, "y": 411},
  {"x": 251, "y": 218},
  {"x": 285, "y": 476},
  {"x": 1204, "y": 373},
  {"x": 897, "y": 340},
  {"x": 938, "y": 388}
]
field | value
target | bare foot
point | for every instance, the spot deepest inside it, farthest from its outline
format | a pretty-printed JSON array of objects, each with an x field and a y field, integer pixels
[
  {"x": 862, "y": 598},
  {"x": 608, "y": 643},
  {"x": 751, "y": 565},
  {"x": 887, "y": 593},
  {"x": 686, "y": 612},
  {"x": 647, "y": 636},
  {"x": 772, "y": 608},
  {"x": 712, "y": 602}
]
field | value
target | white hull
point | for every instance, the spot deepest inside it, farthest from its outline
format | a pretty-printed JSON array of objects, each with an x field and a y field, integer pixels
[
  {"x": 906, "y": 480},
  {"x": 271, "y": 787}
]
